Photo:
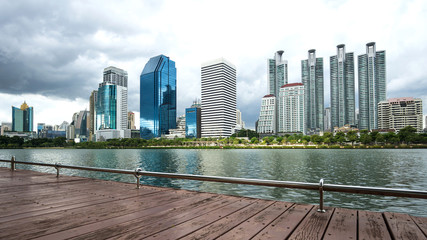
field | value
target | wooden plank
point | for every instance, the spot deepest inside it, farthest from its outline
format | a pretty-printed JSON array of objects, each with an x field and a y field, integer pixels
[
  {"x": 162, "y": 222},
  {"x": 314, "y": 225},
  {"x": 255, "y": 224},
  {"x": 402, "y": 226},
  {"x": 343, "y": 225},
  {"x": 372, "y": 226},
  {"x": 285, "y": 224},
  {"x": 218, "y": 228},
  {"x": 197, "y": 199},
  {"x": 182, "y": 229},
  {"x": 66, "y": 219},
  {"x": 422, "y": 223}
]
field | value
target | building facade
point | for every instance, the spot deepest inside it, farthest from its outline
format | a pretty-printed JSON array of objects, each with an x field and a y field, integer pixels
[
  {"x": 268, "y": 115},
  {"x": 277, "y": 73},
  {"x": 291, "y": 108},
  {"x": 157, "y": 97},
  {"x": 312, "y": 78},
  {"x": 218, "y": 98},
  {"x": 372, "y": 85},
  {"x": 22, "y": 118},
  {"x": 193, "y": 122},
  {"x": 112, "y": 100},
  {"x": 397, "y": 113},
  {"x": 342, "y": 88}
]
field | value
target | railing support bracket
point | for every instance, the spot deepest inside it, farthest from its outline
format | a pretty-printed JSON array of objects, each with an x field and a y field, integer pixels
[
  {"x": 57, "y": 167},
  {"x": 138, "y": 183},
  {"x": 321, "y": 209},
  {"x": 12, "y": 164}
]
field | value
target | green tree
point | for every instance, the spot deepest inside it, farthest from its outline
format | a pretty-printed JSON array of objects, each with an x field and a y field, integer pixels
[
  {"x": 340, "y": 137},
  {"x": 407, "y": 134},
  {"x": 352, "y": 137}
]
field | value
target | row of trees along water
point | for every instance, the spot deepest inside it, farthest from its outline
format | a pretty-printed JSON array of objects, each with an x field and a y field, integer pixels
[{"x": 244, "y": 137}]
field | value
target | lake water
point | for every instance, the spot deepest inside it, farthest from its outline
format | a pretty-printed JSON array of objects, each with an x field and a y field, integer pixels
[{"x": 393, "y": 168}]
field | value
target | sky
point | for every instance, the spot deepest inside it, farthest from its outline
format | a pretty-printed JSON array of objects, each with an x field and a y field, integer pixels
[{"x": 52, "y": 53}]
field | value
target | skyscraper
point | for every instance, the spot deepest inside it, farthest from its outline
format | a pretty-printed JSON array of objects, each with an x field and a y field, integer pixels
[
  {"x": 327, "y": 119},
  {"x": 218, "y": 98},
  {"x": 312, "y": 78},
  {"x": 277, "y": 73},
  {"x": 157, "y": 97},
  {"x": 342, "y": 88},
  {"x": 277, "y": 76},
  {"x": 291, "y": 108},
  {"x": 372, "y": 85},
  {"x": 193, "y": 122},
  {"x": 112, "y": 104},
  {"x": 22, "y": 118},
  {"x": 93, "y": 99}
]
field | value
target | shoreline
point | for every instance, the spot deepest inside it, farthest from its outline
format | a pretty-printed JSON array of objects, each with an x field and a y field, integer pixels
[{"x": 242, "y": 147}]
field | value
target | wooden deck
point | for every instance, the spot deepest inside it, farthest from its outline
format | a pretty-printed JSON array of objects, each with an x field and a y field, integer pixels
[{"x": 36, "y": 205}]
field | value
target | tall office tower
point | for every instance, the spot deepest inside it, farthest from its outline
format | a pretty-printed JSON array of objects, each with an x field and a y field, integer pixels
[
  {"x": 372, "y": 86},
  {"x": 40, "y": 127},
  {"x": 291, "y": 108},
  {"x": 312, "y": 78},
  {"x": 397, "y": 113},
  {"x": 327, "y": 119},
  {"x": 268, "y": 115},
  {"x": 342, "y": 88},
  {"x": 239, "y": 122},
  {"x": 157, "y": 97},
  {"x": 218, "y": 98},
  {"x": 22, "y": 118},
  {"x": 112, "y": 104},
  {"x": 131, "y": 120},
  {"x": 93, "y": 99}
]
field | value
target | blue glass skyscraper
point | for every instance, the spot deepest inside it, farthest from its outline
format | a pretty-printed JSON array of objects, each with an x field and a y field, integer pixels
[
  {"x": 157, "y": 97},
  {"x": 22, "y": 118}
]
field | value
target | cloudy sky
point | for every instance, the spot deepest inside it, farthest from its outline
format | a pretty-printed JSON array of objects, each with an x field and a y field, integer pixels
[{"x": 52, "y": 53}]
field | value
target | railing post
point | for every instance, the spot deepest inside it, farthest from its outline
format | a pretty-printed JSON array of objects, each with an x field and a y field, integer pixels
[
  {"x": 138, "y": 183},
  {"x": 321, "y": 197},
  {"x": 57, "y": 166},
  {"x": 12, "y": 164}
]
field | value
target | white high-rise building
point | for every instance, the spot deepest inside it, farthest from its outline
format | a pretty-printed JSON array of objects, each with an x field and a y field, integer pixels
[
  {"x": 267, "y": 115},
  {"x": 218, "y": 98},
  {"x": 291, "y": 108}
]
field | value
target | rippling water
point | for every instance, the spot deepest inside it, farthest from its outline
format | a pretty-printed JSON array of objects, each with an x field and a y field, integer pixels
[{"x": 396, "y": 168}]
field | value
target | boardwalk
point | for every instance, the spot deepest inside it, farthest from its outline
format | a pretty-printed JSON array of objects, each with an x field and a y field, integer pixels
[{"x": 36, "y": 205}]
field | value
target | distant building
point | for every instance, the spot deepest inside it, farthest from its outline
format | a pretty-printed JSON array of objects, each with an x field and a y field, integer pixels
[
  {"x": 131, "y": 120},
  {"x": 40, "y": 127},
  {"x": 291, "y": 108},
  {"x": 157, "y": 97},
  {"x": 22, "y": 118},
  {"x": 240, "y": 124},
  {"x": 372, "y": 85},
  {"x": 93, "y": 100},
  {"x": 218, "y": 98},
  {"x": 82, "y": 124},
  {"x": 5, "y": 127},
  {"x": 342, "y": 88},
  {"x": 71, "y": 132},
  {"x": 193, "y": 122},
  {"x": 327, "y": 119},
  {"x": 397, "y": 113},
  {"x": 312, "y": 78},
  {"x": 267, "y": 117}
]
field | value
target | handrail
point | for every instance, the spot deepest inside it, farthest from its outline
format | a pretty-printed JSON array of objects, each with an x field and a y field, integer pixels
[{"x": 260, "y": 182}]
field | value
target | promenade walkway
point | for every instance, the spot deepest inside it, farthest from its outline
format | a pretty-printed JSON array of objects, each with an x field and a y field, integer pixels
[{"x": 37, "y": 205}]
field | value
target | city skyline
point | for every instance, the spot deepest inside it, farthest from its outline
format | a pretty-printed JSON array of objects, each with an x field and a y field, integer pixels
[{"x": 56, "y": 64}]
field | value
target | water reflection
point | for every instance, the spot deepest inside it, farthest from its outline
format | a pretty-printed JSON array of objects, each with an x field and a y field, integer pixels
[{"x": 382, "y": 168}]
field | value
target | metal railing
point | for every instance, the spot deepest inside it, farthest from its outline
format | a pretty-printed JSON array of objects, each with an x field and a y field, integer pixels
[{"x": 321, "y": 187}]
